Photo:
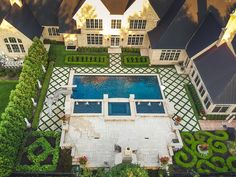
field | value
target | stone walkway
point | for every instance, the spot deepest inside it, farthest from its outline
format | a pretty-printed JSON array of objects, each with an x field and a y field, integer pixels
[
  {"x": 175, "y": 92},
  {"x": 211, "y": 125},
  {"x": 60, "y": 77}
]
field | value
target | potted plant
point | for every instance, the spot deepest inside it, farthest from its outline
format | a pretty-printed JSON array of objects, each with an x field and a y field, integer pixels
[
  {"x": 177, "y": 120},
  {"x": 164, "y": 160},
  {"x": 83, "y": 160},
  {"x": 203, "y": 148}
]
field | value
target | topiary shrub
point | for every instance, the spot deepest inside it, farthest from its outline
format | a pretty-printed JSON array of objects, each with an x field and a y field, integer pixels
[{"x": 126, "y": 170}]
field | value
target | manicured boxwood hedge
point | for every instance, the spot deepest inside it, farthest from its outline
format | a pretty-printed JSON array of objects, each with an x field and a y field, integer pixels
[
  {"x": 88, "y": 60},
  {"x": 41, "y": 152},
  {"x": 20, "y": 106},
  {"x": 131, "y": 50},
  {"x": 135, "y": 61},
  {"x": 218, "y": 158},
  {"x": 93, "y": 49}
]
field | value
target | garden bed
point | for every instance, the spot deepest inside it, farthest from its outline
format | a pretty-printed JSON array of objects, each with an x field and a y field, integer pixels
[
  {"x": 135, "y": 61},
  {"x": 88, "y": 60},
  {"x": 40, "y": 152},
  {"x": 218, "y": 159}
]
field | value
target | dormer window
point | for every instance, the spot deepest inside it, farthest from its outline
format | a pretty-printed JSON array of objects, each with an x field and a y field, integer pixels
[
  {"x": 53, "y": 31},
  {"x": 94, "y": 23},
  {"x": 137, "y": 24}
]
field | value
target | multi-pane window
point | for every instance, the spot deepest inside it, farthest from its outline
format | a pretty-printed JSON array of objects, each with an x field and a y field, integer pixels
[
  {"x": 170, "y": 55},
  {"x": 202, "y": 91},
  {"x": 94, "y": 39},
  {"x": 197, "y": 80},
  {"x": 94, "y": 23},
  {"x": 220, "y": 109},
  {"x": 193, "y": 73},
  {"x": 115, "y": 24},
  {"x": 135, "y": 39},
  {"x": 53, "y": 31},
  {"x": 14, "y": 45},
  {"x": 207, "y": 102},
  {"x": 137, "y": 24}
]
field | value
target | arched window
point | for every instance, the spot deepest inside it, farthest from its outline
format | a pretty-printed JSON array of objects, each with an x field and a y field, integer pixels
[{"x": 14, "y": 45}]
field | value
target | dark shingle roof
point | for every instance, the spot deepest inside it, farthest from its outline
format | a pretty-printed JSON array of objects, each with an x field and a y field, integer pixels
[
  {"x": 176, "y": 28},
  {"x": 161, "y": 6},
  {"x": 4, "y": 8},
  {"x": 217, "y": 70},
  {"x": 117, "y": 7},
  {"x": 67, "y": 10},
  {"x": 160, "y": 33},
  {"x": 234, "y": 43},
  {"x": 45, "y": 11},
  {"x": 207, "y": 33},
  {"x": 23, "y": 19}
]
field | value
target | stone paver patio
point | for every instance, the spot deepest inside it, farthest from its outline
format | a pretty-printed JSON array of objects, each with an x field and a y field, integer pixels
[{"x": 173, "y": 83}]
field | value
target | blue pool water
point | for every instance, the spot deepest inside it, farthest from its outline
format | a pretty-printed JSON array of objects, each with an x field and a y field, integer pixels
[
  {"x": 88, "y": 107},
  {"x": 93, "y": 87},
  {"x": 119, "y": 109},
  {"x": 151, "y": 108}
]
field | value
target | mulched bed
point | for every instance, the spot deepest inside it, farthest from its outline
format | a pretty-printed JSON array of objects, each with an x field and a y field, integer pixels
[
  {"x": 25, "y": 160},
  {"x": 65, "y": 161},
  {"x": 30, "y": 140},
  {"x": 38, "y": 150},
  {"x": 52, "y": 141},
  {"x": 47, "y": 161}
]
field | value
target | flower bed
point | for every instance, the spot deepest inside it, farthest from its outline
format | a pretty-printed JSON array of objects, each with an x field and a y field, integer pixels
[
  {"x": 217, "y": 158},
  {"x": 135, "y": 61},
  {"x": 88, "y": 60},
  {"x": 40, "y": 153}
]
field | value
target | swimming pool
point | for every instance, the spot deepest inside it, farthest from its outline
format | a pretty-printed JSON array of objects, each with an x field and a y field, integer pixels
[
  {"x": 94, "y": 86},
  {"x": 119, "y": 109}
]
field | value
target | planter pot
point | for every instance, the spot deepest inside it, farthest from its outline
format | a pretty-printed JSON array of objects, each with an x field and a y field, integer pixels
[{"x": 205, "y": 152}]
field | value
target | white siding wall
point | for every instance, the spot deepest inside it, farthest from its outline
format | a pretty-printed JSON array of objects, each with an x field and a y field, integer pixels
[
  {"x": 140, "y": 9},
  {"x": 6, "y": 31}
]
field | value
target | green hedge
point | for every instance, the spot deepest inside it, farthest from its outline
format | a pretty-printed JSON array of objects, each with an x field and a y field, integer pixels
[
  {"x": 42, "y": 95},
  {"x": 87, "y": 60},
  {"x": 135, "y": 61},
  {"x": 92, "y": 49},
  {"x": 20, "y": 106},
  {"x": 131, "y": 50},
  {"x": 41, "y": 141}
]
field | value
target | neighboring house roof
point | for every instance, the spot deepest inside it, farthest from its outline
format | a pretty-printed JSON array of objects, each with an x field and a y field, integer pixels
[
  {"x": 161, "y": 6},
  {"x": 158, "y": 36},
  {"x": 23, "y": 19},
  {"x": 217, "y": 70},
  {"x": 234, "y": 43},
  {"x": 67, "y": 10},
  {"x": 4, "y": 8},
  {"x": 207, "y": 33},
  {"x": 45, "y": 11},
  {"x": 117, "y": 7},
  {"x": 175, "y": 29}
]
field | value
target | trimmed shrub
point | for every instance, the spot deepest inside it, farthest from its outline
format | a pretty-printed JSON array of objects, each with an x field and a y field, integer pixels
[
  {"x": 87, "y": 60},
  {"x": 135, "y": 61},
  {"x": 20, "y": 105},
  {"x": 92, "y": 49},
  {"x": 43, "y": 155},
  {"x": 126, "y": 170}
]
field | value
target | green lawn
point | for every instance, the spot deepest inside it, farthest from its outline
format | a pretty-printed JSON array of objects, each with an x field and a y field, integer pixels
[
  {"x": 5, "y": 90},
  {"x": 58, "y": 53}
]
